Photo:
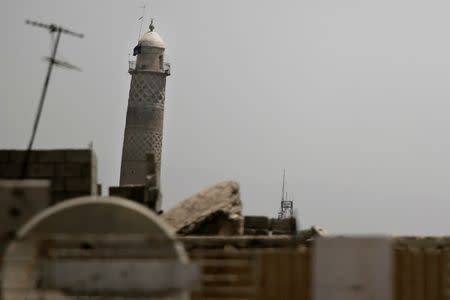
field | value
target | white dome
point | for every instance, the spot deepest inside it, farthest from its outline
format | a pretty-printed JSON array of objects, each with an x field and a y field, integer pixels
[{"x": 152, "y": 39}]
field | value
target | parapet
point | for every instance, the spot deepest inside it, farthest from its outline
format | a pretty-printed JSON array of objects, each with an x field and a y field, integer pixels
[{"x": 71, "y": 172}]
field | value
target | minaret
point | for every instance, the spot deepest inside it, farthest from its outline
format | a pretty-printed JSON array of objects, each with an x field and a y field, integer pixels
[{"x": 145, "y": 114}]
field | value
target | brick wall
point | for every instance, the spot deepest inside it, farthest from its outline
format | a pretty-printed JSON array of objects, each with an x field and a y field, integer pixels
[{"x": 72, "y": 172}]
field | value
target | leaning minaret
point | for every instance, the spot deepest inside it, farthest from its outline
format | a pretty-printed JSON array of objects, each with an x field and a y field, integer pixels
[{"x": 145, "y": 114}]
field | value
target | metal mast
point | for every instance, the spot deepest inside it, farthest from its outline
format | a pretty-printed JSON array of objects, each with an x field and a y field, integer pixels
[
  {"x": 52, "y": 28},
  {"x": 287, "y": 206}
]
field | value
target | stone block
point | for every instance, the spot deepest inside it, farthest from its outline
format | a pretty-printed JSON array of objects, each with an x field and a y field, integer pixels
[
  {"x": 58, "y": 196},
  {"x": 79, "y": 155},
  {"x": 132, "y": 192},
  {"x": 4, "y": 156},
  {"x": 137, "y": 193},
  {"x": 18, "y": 156},
  {"x": 65, "y": 195},
  {"x": 10, "y": 170},
  {"x": 288, "y": 225},
  {"x": 256, "y": 222},
  {"x": 50, "y": 156},
  {"x": 78, "y": 184},
  {"x": 58, "y": 184},
  {"x": 87, "y": 170},
  {"x": 252, "y": 231},
  {"x": 68, "y": 170},
  {"x": 40, "y": 170}
]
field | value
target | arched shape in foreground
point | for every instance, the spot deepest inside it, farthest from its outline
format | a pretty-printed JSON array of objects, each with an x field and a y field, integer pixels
[{"x": 90, "y": 217}]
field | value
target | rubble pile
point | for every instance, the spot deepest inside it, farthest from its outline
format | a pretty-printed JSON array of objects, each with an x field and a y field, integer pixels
[{"x": 216, "y": 210}]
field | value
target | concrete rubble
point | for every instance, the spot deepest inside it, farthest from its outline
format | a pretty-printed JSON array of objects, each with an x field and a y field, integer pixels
[{"x": 215, "y": 210}]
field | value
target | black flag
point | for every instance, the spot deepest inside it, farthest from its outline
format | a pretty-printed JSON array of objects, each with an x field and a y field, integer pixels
[{"x": 137, "y": 50}]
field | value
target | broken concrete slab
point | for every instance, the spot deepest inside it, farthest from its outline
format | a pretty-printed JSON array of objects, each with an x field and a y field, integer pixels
[{"x": 215, "y": 210}]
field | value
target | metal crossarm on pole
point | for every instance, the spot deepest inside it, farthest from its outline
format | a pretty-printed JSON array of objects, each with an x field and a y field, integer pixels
[{"x": 52, "y": 28}]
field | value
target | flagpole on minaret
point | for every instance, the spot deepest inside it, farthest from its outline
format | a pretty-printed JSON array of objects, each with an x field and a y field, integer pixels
[{"x": 142, "y": 20}]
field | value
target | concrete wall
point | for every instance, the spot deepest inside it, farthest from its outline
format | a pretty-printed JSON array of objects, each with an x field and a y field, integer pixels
[
  {"x": 352, "y": 268},
  {"x": 19, "y": 201},
  {"x": 72, "y": 172}
]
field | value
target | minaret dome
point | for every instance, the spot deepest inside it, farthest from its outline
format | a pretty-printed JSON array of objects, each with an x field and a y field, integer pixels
[
  {"x": 150, "y": 52},
  {"x": 152, "y": 39}
]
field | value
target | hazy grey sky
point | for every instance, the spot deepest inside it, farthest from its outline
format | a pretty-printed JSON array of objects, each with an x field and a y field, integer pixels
[{"x": 351, "y": 97}]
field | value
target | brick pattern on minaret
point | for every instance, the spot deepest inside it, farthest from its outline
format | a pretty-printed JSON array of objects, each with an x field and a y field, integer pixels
[{"x": 145, "y": 113}]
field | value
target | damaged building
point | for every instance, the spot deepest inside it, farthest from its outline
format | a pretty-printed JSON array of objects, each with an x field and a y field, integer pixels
[{"x": 61, "y": 239}]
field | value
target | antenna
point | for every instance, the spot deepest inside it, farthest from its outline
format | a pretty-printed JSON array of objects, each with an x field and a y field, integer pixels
[
  {"x": 52, "y": 28},
  {"x": 287, "y": 206}
]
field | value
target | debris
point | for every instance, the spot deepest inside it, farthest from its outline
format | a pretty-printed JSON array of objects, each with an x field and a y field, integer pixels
[{"x": 216, "y": 210}]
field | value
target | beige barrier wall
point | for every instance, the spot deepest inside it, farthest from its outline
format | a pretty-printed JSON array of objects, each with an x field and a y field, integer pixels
[
  {"x": 284, "y": 274},
  {"x": 421, "y": 270},
  {"x": 254, "y": 274}
]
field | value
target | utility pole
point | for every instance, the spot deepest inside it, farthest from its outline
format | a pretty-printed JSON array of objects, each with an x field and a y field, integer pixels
[{"x": 52, "y": 28}]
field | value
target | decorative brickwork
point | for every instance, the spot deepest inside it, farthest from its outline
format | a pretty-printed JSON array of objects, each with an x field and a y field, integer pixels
[
  {"x": 147, "y": 89},
  {"x": 140, "y": 142},
  {"x": 145, "y": 118}
]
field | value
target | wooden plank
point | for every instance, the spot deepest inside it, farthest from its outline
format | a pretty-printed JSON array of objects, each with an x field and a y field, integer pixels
[
  {"x": 270, "y": 272},
  {"x": 404, "y": 274},
  {"x": 306, "y": 275},
  {"x": 308, "y": 263},
  {"x": 263, "y": 292},
  {"x": 284, "y": 272},
  {"x": 397, "y": 278},
  {"x": 445, "y": 274},
  {"x": 418, "y": 273},
  {"x": 432, "y": 273}
]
